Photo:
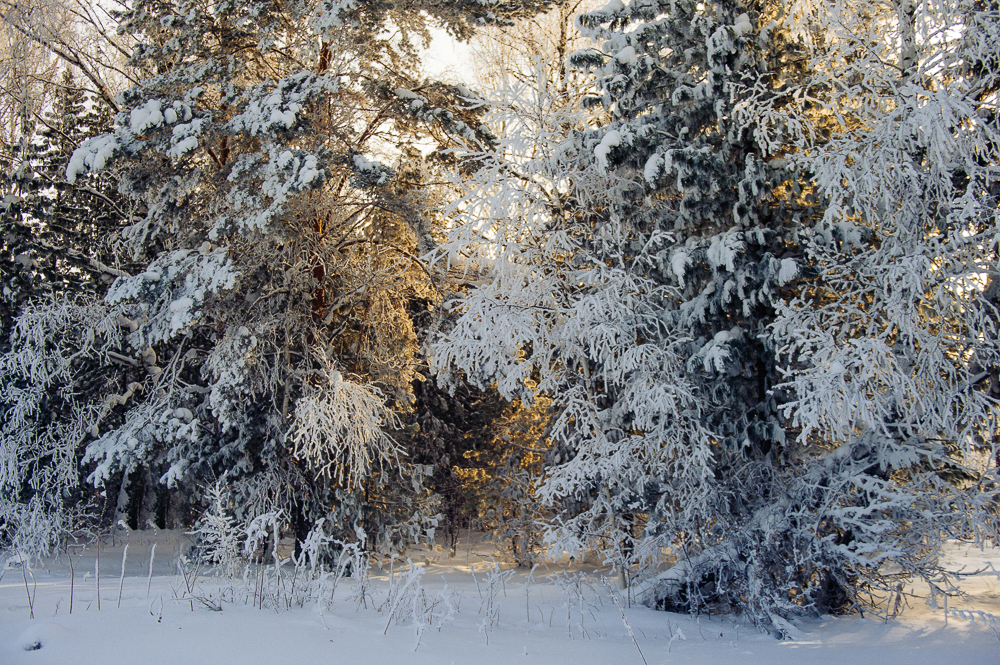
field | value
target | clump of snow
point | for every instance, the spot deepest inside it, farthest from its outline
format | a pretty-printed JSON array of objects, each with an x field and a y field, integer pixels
[
  {"x": 656, "y": 166},
  {"x": 93, "y": 154},
  {"x": 289, "y": 171},
  {"x": 678, "y": 263},
  {"x": 723, "y": 251},
  {"x": 788, "y": 271},
  {"x": 693, "y": 92},
  {"x": 742, "y": 25},
  {"x": 626, "y": 56},
  {"x": 377, "y": 171},
  {"x": 719, "y": 44},
  {"x": 716, "y": 352},
  {"x": 145, "y": 117},
  {"x": 417, "y": 101},
  {"x": 180, "y": 311},
  {"x": 466, "y": 93},
  {"x": 612, "y": 139},
  {"x": 653, "y": 168},
  {"x": 364, "y": 164},
  {"x": 285, "y": 117},
  {"x": 184, "y": 138},
  {"x": 39, "y": 635},
  {"x": 184, "y": 414},
  {"x": 308, "y": 171}
]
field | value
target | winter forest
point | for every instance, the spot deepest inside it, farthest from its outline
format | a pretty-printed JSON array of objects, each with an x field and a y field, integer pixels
[{"x": 704, "y": 293}]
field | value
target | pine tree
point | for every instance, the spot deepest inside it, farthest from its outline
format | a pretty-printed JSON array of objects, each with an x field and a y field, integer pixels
[{"x": 270, "y": 342}]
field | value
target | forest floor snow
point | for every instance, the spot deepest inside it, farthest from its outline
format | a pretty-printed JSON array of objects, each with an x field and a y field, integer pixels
[{"x": 557, "y": 614}]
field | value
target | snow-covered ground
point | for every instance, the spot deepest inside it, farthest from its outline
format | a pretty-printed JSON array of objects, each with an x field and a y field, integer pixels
[{"x": 555, "y": 615}]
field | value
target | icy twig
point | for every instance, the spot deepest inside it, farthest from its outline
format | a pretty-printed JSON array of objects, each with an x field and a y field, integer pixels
[
  {"x": 31, "y": 600},
  {"x": 628, "y": 627},
  {"x": 121, "y": 580},
  {"x": 149, "y": 578}
]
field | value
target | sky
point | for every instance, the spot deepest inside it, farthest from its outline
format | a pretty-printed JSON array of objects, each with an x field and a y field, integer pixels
[{"x": 447, "y": 60}]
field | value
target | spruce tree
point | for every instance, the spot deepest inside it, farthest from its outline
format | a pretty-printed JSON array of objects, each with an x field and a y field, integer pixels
[
  {"x": 59, "y": 257},
  {"x": 636, "y": 285},
  {"x": 58, "y": 236}
]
